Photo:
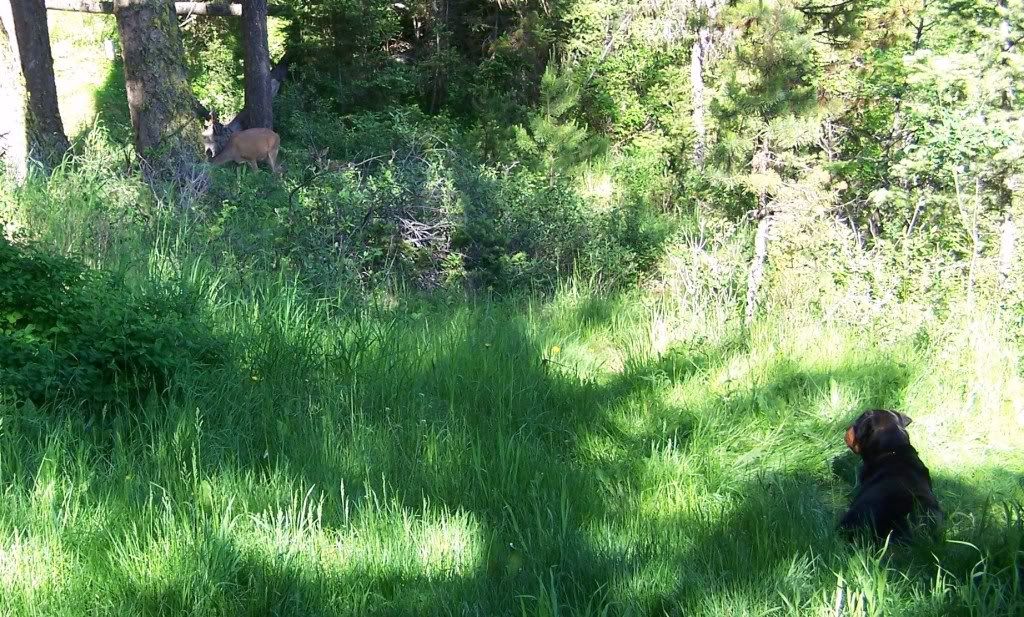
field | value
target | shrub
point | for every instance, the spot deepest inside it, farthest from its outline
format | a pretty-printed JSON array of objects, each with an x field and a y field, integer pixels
[{"x": 71, "y": 333}]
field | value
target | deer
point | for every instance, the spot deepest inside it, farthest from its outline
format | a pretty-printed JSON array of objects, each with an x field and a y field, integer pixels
[{"x": 249, "y": 146}]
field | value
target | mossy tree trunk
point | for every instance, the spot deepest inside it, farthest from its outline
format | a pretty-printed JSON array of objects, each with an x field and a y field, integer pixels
[
  {"x": 159, "y": 97},
  {"x": 258, "y": 107},
  {"x": 29, "y": 39}
]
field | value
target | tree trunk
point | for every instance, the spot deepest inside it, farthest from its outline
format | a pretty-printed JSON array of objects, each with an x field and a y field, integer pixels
[
  {"x": 258, "y": 106},
  {"x": 1008, "y": 230},
  {"x": 206, "y": 9},
  {"x": 755, "y": 275},
  {"x": 701, "y": 54},
  {"x": 1007, "y": 248},
  {"x": 440, "y": 13},
  {"x": 159, "y": 97},
  {"x": 697, "y": 94},
  {"x": 13, "y": 149},
  {"x": 44, "y": 131}
]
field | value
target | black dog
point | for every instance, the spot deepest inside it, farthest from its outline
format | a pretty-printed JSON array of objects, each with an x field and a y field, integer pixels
[{"x": 894, "y": 489}]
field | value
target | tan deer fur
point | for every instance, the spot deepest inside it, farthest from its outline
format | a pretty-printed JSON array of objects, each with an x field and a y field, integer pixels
[{"x": 251, "y": 146}]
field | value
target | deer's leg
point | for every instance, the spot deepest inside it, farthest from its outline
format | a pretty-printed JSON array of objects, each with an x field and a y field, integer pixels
[
  {"x": 254, "y": 166},
  {"x": 272, "y": 157}
]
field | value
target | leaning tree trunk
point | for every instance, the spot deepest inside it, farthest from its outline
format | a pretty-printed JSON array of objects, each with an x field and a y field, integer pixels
[
  {"x": 258, "y": 97},
  {"x": 30, "y": 39},
  {"x": 159, "y": 97}
]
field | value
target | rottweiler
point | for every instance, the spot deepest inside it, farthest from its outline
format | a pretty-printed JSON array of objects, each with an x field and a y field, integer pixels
[{"x": 894, "y": 489}]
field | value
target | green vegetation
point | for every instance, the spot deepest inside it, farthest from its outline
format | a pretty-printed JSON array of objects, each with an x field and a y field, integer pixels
[
  {"x": 482, "y": 350},
  {"x": 581, "y": 455}
]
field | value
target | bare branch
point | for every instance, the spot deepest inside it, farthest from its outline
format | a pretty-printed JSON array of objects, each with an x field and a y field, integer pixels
[{"x": 208, "y": 9}]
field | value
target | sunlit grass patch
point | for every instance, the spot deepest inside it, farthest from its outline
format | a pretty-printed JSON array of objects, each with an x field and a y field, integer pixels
[{"x": 33, "y": 567}]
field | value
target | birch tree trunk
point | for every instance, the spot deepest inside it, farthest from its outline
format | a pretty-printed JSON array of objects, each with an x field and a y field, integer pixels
[
  {"x": 1008, "y": 229},
  {"x": 700, "y": 56},
  {"x": 1007, "y": 248},
  {"x": 755, "y": 275}
]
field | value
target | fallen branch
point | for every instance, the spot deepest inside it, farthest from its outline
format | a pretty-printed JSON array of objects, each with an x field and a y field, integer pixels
[{"x": 209, "y": 9}]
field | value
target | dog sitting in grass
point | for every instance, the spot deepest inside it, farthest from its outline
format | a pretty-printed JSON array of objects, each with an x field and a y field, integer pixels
[{"x": 894, "y": 488}]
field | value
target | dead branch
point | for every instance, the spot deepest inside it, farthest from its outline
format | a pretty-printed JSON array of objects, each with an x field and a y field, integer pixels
[{"x": 208, "y": 9}]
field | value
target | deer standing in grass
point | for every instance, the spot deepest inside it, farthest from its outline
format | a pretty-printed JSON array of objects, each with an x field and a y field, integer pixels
[{"x": 249, "y": 146}]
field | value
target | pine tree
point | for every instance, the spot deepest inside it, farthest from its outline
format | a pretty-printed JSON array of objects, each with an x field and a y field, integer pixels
[{"x": 766, "y": 110}]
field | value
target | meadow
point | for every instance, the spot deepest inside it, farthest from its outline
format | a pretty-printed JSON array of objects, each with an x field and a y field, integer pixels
[{"x": 576, "y": 453}]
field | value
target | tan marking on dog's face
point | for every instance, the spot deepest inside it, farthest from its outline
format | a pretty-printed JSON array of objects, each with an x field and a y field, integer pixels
[{"x": 851, "y": 440}]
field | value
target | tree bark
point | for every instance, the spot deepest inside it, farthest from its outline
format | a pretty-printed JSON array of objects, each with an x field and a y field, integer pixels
[
  {"x": 700, "y": 55},
  {"x": 755, "y": 275},
  {"x": 1008, "y": 231},
  {"x": 258, "y": 98},
  {"x": 44, "y": 131},
  {"x": 159, "y": 97},
  {"x": 1007, "y": 248}
]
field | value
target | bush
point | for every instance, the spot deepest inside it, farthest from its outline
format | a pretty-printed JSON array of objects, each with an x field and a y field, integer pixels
[{"x": 71, "y": 333}]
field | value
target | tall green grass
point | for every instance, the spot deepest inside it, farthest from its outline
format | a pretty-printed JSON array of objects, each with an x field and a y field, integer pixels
[{"x": 577, "y": 454}]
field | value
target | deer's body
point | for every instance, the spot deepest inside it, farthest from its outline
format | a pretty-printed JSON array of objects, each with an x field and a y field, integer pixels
[{"x": 251, "y": 146}]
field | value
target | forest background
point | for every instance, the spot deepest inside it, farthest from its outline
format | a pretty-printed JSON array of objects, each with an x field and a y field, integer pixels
[{"x": 557, "y": 308}]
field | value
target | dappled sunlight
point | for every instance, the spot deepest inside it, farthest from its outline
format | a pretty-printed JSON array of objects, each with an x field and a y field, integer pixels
[
  {"x": 599, "y": 186},
  {"x": 474, "y": 449},
  {"x": 383, "y": 539},
  {"x": 450, "y": 545},
  {"x": 33, "y": 567},
  {"x": 555, "y": 312},
  {"x": 81, "y": 65}
]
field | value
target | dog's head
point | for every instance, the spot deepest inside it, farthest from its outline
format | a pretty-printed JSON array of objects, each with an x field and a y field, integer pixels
[{"x": 877, "y": 429}]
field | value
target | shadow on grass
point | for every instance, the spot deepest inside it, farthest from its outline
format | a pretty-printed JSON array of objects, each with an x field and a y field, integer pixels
[
  {"x": 111, "y": 101},
  {"x": 586, "y": 493}
]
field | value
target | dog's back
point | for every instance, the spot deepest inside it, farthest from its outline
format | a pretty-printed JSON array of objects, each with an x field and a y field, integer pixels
[{"x": 895, "y": 489}]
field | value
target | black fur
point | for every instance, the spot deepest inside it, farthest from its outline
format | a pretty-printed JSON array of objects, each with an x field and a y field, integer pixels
[{"x": 894, "y": 489}]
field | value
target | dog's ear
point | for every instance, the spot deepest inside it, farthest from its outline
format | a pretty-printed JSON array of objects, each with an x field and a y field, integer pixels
[
  {"x": 903, "y": 419},
  {"x": 851, "y": 440}
]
